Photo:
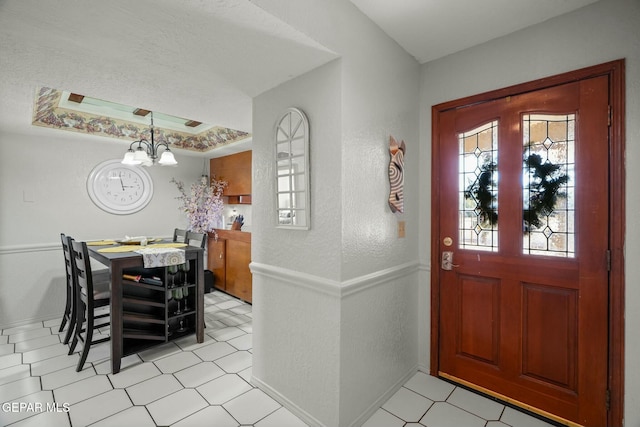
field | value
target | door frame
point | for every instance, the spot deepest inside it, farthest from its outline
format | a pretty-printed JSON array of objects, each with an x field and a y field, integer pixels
[{"x": 615, "y": 70}]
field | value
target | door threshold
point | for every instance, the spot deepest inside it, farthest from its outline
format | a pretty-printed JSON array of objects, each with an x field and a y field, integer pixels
[{"x": 513, "y": 403}]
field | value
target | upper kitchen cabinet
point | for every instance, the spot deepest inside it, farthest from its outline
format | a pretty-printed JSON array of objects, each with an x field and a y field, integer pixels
[{"x": 235, "y": 169}]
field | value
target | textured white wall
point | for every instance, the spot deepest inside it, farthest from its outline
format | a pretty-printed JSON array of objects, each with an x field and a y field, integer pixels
[
  {"x": 296, "y": 329},
  {"x": 604, "y": 31},
  {"x": 356, "y": 278},
  {"x": 50, "y": 171},
  {"x": 318, "y": 95}
]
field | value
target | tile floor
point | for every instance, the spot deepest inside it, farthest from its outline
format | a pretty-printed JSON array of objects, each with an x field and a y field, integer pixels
[{"x": 183, "y": 383}]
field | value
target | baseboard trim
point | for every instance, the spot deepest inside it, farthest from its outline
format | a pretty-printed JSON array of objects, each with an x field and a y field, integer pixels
[
  {"x": 332, "y": 287},
  {"x": 308, "y": 419},
  {"x": 368, "y": 413}
]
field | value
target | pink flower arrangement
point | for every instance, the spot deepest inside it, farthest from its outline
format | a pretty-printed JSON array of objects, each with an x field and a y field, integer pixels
[{"x": 203, "y": 205}]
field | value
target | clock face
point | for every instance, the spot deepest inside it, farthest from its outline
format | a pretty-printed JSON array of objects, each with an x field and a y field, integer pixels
[{"x": 119, "y": 189}]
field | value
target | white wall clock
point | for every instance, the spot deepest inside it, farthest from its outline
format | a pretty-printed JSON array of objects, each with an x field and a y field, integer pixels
[{"x": 119, "y": 189}]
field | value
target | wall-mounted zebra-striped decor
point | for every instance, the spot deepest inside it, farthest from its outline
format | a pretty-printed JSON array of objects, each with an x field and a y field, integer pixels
[{"x": 396, "y": 175}]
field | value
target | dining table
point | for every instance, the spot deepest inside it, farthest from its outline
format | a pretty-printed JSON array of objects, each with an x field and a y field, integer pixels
[{"x": 120, "y": 257}]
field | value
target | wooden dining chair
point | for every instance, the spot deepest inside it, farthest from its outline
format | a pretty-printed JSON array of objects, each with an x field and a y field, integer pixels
[
  {"x": 88, "y": 299},
  {"x": 196, "y": 239},
  {"x": 100, "y": 280},
  {"x": 179, "y": 235}
]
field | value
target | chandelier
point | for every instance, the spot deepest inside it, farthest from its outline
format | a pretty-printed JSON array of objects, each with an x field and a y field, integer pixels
[{"x": 146, "y": 153}]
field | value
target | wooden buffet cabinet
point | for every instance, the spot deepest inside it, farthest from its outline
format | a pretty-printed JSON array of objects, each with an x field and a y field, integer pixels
[{"x": 228, "y": 258}]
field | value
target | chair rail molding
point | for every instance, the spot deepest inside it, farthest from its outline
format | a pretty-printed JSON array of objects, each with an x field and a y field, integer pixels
[
  {"x": 32, "y": 247},
  {"x": 331, "y": 287}
]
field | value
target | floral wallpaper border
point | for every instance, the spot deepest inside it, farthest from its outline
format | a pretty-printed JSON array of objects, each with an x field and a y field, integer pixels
[{"x": 47, "y": 113}]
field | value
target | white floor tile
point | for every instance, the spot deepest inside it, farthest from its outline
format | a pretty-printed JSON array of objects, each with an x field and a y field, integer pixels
[
  {"x": 134, "y": 375},
  {"x": 281, "y": 418},
  {"x": 98, "y": 352},
  {"x": 189, "y": 343},
  {"x": 170, "y": 384},
  {"x": 446, "y": 415},
  {"x": 516, "y": 418},
  {"x": 104, "y": 367},
  {"x": 247, "y": 327},
  {"x": 14, "y": 373},
  {"x": 16, "y": 389},
  {"x": 159, "y": 352},
  {"x": 229, "y": 304},
  {"x": 199, "y": 374},
  {"x": 136, "y": 416},
  {"x": 251, "y": 407},
  {"x": 235, "y": 362},
  {"x": 236, "y": 320},
  {"x": 214, "y": 351},
  {"x": 241, "y": 309},
  {"x": 212, "y": 324},
  {"x": 47, "y": 340},
  {"x": 226, "y": 333},
  {"x": 153, "y": 389},
  {"x": 246, "y": 374},
  {"x": 430, "y": 387},
  {"x": 210, "y": 416},
  {"x": 9, "y": 360},
  {"x": 44, "y": 353},
  {"x": 177, "y": 362},
  {"x": 223, "y": 389},
  {"x": 99, "y": 407},
  {"x": 176, "y": 406},
  {"x": 382, "y": 418},
  {"x": 243, "y": 342},
  {"x": 49, "y": 419},
  {"x": 29, "y": 335},
  {"x": 32, "y": 401},
  {"x": 476, "y": 404},
  {"x": 23, "y": 328},
  {"x": 7, "y": 348},
  {"x": 55, "y": 323},
  {"x": 66, "y": 376},
  {"x": 407, "y": 405},
  {"x": 217, "y": 314},
  {"x": 54, "y": 364},
  {"x": 82, "y": 390}
]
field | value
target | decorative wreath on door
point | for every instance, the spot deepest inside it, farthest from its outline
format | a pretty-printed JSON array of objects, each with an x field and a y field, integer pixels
[{"x": 545, "y": 188}]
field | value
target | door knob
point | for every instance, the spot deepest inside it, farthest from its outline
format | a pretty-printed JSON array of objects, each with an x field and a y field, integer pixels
[{"x": 447, "y": 261}]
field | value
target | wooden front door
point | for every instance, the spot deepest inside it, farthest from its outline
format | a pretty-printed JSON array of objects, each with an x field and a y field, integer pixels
[{"x": 522, "y": 252}]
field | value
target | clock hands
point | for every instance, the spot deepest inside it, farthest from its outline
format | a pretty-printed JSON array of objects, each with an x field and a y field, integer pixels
[{"x": 121, "y": 183}]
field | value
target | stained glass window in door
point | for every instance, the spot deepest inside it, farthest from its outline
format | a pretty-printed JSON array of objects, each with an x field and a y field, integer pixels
[
  {"x": 549, "y": 184},
  {"x": 478, "y": 188}
]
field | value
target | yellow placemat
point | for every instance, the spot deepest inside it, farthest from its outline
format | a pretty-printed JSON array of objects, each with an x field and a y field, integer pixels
[
  {"x": 101, "y": 243},
  {"x": 168, "y": 245},
  {"x": 131, "y": 248},
  {"x": 125, "y": 248}
]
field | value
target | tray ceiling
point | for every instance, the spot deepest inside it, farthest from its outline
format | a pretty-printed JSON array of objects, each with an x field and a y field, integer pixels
[{"x": 74, "y": 112}]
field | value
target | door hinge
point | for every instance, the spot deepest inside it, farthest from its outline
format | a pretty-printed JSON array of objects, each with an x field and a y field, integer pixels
[
  {"x": 608, "y": 259},
  {"x": 608, "y": 399},
  {"x": 610, "y": 115}
]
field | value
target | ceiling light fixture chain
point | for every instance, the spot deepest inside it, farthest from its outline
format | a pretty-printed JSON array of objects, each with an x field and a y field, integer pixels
[{"x": 146, "y": 153}]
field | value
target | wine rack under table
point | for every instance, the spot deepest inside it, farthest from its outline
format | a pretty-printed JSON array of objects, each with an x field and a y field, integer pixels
[{"x": 148, "y": 314}]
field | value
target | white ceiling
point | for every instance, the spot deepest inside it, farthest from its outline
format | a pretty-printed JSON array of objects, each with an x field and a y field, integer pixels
[
  {"x": 205, "y": 59},
  {"x": 431, "y": 29}
]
